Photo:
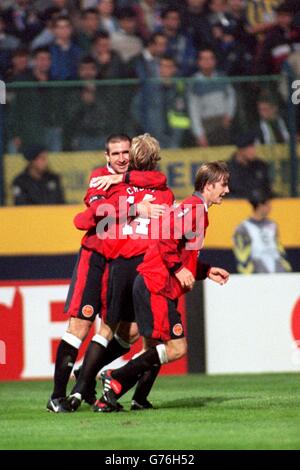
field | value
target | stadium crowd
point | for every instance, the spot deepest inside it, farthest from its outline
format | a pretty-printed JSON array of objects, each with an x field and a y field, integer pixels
[{"x": 63, "y": 40}]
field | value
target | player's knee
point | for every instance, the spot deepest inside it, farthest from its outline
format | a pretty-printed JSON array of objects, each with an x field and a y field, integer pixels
[
  {"x": 79, "y": 328},
  {"x": 128, "y": 332},
  {"x": 107, "y": 331}
]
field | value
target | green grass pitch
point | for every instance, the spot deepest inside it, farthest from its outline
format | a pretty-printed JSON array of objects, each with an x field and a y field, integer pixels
[{"x": 192, "y": 412}]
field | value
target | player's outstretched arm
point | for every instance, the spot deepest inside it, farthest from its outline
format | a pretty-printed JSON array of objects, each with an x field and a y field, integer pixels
[
  {"x": 146, "y": 179},
  {"x": 105, "y": 182},
  {"x": 219, "y": 275},
  {"x": 143, "y": 179}
]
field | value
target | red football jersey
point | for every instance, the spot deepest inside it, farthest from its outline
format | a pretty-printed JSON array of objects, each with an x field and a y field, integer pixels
[
  {"x": 178, "y": 248},
  {"x": 109, "y": 204},
  {"x": 144, "y": 179},
  {"x": 137, "y": 233}
]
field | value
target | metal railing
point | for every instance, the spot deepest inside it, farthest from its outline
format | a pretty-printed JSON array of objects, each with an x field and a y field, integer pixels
[{"x": 71, "y": 117}]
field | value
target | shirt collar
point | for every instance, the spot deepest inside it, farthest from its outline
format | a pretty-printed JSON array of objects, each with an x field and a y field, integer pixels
[
  {"x": 199, "y": 195},
  {"x": 110, "y": 170}
]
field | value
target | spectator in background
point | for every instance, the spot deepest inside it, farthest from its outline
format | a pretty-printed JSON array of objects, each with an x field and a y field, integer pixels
[
  {"x": 34, "y": 112},
  {"x": 109, "y": 62},
  {"x": 125, "y": 41},
  {"x": 46, "y": 36},
  {"x": 161, "y": 107},
  {"x": 233, "y": 55},
  {"x": 236, "y": 18},
  {"x": 8, "y": 44},
  {"x": 22, "y": 21},
  {"x": 37, "y": 185},
  {"x": 280, "y": 42},
  {"x": 108, "y": 22},
  {"x": 211, "y": 104},
  {"x": 217, "y": 12},
  {"x": 272, "y": 128},
  {"x": 261, "y": 15},
  {"x": 256, "y": 243},
  {"x": 88, "y": 113},
  {"x": 248, "y": 173},
  {"x": 20, "y": 65},
  {"x": 148, "y": 17},
  {"x": 179, "y": 45},
  {"x": 146, "y": 64},
  {"x": 196, "y": 24},
  {"x": 89, "y": 26},
  {"x": 110, "y": 66},
  {"x": 88, "y": 69},
  {"x": 66, "y": 8},
  {"x": 65, "y": 54},
  {"x": 89, "y": 121}
]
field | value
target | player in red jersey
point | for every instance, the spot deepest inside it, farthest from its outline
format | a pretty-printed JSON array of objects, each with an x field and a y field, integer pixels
[
  {"x": 170, "y": 268},
  {"x": 125, "y": 253},
  {"x": 84, "y": 301}
]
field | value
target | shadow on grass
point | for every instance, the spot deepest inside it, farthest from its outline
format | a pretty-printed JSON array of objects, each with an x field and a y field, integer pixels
[{"x": 197, "y": 402}]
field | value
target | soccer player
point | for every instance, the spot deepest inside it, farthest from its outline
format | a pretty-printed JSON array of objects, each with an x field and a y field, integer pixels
[
  {"x": 84, "y": 298},
  {"x": 124, "y": 254},
  {"x": 169, "y": 269}
]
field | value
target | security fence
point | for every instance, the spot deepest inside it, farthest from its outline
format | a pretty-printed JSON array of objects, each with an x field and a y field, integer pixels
[{"x": 195, "y": 120}]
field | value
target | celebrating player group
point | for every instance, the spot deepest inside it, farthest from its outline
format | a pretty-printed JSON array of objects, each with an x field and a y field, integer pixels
[{"x": 139, "y": 254}]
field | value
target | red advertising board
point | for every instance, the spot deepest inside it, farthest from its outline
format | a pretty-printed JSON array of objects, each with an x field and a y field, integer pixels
[{"x": 31, "y": 325}]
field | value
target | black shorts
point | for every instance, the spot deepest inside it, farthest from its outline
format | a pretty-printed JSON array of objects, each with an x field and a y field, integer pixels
[
  {"x": 84, "y": 296},
  {"x": 117, "y": 301},
  {"x": 156, "y": 315}
]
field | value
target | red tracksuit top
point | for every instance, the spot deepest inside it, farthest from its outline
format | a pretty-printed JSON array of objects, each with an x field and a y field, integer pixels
[{"x": 167, "y": 256}]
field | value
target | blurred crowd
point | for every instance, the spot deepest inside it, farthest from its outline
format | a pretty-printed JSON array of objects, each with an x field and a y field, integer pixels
[
  {"x": 43, "y": 41},
  {"x": 246, "y": 36},
  {"x": 198, "y": 42}
]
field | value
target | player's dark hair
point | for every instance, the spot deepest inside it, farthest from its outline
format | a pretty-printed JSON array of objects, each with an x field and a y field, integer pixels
[
  {"x": 210, "y": 173},
  {"x": 114, "y": 138}
]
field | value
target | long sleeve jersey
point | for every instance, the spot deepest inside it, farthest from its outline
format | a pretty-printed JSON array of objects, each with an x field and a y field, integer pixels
[
  {"x": 112, "y": 230},
  {"x": 178, "y": 248}
]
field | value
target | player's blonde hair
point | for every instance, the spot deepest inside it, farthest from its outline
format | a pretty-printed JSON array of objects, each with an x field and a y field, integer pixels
[{"x": 144, "y": 152}]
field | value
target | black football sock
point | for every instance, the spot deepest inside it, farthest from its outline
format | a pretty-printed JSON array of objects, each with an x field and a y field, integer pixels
[
  {"x": 145, "y": 384},
  {"x": 136, "y": 366},
  {"x": 115, "y": 349},
  {"x": 92, "y": 363},
  {"x": 65, "y": 359}
]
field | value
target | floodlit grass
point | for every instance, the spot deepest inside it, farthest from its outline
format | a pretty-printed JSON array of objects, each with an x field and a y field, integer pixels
[{"x": 192, "y": 412}]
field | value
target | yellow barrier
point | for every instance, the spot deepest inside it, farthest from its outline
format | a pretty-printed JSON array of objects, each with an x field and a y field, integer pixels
[
  {"x": 49, "y": 229},
  {"x": 179, "y": 165}
]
